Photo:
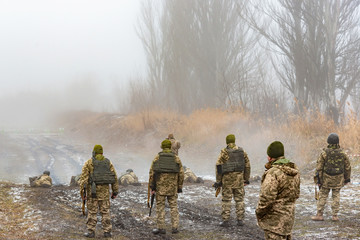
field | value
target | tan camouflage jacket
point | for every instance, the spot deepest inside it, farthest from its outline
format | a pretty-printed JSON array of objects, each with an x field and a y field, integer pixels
[
  {"x": 232, "y": 179},
  {"x": 43, "y": 181},
  {"x": 189, "y": 176},
  {"x": 175, "y": 145},
  {"x": 328, "y": 181},
  {"x": 167, "y": 183},
  {"x": 280, "y": 187},
  {"x": 102, "y": 191},
  {"x": 129, "y": 178}
]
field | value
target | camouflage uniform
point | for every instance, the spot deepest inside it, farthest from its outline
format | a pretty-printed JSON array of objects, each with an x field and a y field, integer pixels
[
  {"x": 75, "y": 180},
  {"x": 129, "y": 178},
  {"x": 102, "y": 201},
  {"x": 190, "y": 177},
  {"x": 167, "y": 187},
  {"x": 280, "y": 187},
  {"x": 42, "y": 181},
  {"x": 175, "y": 145},
  {"x": 232, "y": 185},
  {"x": 329, "y": 181}
]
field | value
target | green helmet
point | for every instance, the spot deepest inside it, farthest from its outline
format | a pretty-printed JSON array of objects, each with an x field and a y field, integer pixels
[
  {"x": 47, "y": 172},
  {"x": 275, "y": 149},
  {"x": 166, "y": 144},
  {"x": 98, "y": 149},
  {"x": 230, "y": 138}
]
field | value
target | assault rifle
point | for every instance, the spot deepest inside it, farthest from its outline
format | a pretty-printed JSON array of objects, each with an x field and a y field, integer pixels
[
  {"x": 83, "y": 199},
  {"x": 217, "y": 186},
  {"x": 318, "y": 183},
  {"x": 150, "y": 201}
]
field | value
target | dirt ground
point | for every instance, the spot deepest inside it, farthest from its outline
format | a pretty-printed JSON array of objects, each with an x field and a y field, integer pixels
[{"x": 55, "y": 213}]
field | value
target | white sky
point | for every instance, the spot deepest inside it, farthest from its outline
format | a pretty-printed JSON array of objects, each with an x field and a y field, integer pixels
[{"x": 48, "y": 44}]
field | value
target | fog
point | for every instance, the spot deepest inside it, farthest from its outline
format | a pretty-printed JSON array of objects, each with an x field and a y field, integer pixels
[{"x": 66, "y": 55}]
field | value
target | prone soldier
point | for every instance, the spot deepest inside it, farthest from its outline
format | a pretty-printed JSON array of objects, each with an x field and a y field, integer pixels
[
  {"x": 43, "y": 180},
  {"x": 129, "y": 178}
]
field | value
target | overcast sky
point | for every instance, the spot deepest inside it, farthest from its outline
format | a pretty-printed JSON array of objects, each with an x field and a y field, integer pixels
[{"x": 47, "y": 44}]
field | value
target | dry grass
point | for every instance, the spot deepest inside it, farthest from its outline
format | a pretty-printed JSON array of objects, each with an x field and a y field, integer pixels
[
  {"x": 205, "y": 131},
  {"x": 13, "y": 224}
]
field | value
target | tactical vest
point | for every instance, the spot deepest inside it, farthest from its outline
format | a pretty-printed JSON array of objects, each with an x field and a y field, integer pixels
[
  {"x": 334, "y": 162},
  {"x": 166, "y": 164},
  {"x": 102, "y": 173},
  {"x": 236, "y": 162}
]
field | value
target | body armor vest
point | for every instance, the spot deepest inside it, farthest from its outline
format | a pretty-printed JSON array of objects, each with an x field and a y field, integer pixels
[
  {"x": 102, "y": 173},
  {"x": 334, "y": 162},
  {"x": 236, "y": 162},
  {"x": 166, "y": 163}
]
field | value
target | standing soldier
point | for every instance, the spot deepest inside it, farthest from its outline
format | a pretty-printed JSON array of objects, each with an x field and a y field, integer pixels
[
  {"x": 175, "y": 144},
  {"x": 97, "y": 173},
  {"x": 280, "y": 187},
  {"x": 232, "y": 173},
  {"x": 166, "y": 177},
  {"x": 332, "y": 173}
]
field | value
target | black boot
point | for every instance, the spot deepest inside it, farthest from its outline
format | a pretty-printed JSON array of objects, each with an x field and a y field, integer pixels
[
  {"x": 225, "y": 224},
  {"x": 240, "y": 222},
  {"x": 158, "y": 230},
  {"x": 107, "y": 234},
  {"x": 90, "y": 234}
]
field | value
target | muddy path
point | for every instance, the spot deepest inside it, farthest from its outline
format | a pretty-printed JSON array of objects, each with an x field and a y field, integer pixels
[{"x": 55, "y": 213}]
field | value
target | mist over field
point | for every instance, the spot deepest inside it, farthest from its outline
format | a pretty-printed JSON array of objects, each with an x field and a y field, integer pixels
[{"x": 125, "y": 74}]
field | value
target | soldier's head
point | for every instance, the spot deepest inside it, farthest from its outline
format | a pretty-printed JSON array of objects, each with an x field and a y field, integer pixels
[
  {"x": 129, "y": 170},
  {"x": 333, "y": 138},
  {"x": 171, "y": 136},
  {"x": 165, "y": 144},
  {"x": 98, "y": 149},
  {"x": 230, "y": 138},
  {"x": 47, "y": 172},
  {"x": 275, "y": 150}
]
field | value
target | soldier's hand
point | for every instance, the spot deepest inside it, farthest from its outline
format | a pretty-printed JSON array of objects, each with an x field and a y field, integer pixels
[
  {"x": 246, "y": 182},
  {"x": 153, "y": 192},
  {"x": 216, "y": 185},
  {"x": 113, "y": 195},
  {"x": 179, "y": 190}
]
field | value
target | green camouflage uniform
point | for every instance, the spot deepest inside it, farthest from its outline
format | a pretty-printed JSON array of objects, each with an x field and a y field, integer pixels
[
  {"x": 232, "y": 185},
  {"x": 189, "y": 176},
  {"x": 128, "y": 179},
  {"x": 167, "y": 185},
  {"x": 102, "y": 200},
  {"x": 42, "y": 181},
  {"x": 280, "y": 187},
  {"x": 175, "y": 145},
  {"x": 332, "y": 182}
]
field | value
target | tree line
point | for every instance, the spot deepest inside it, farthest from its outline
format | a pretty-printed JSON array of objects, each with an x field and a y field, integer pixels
[{"x": 265, "y": 57}]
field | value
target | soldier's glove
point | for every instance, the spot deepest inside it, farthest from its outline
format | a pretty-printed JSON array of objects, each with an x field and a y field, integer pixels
[
  {"x": 179, "y": 190},
  {"x": 113, "y": 195},
  {"x": 347, "y": 181},
  {"x": 216, "y": 185},
  {"x": 247, "y": 182}
]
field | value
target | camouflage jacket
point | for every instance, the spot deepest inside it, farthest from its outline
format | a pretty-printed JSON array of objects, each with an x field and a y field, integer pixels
[
  {"x": 167, "y": 183},
  {"x": 280, "y": 187},
  {"x": 232, "y": 179},
  {"x": 102, "y": 191},
  {"x": 128, "y": 178},
  {"x": 43, "y": 181},
  {"x": 175, "y": 145},
  {"x": 189, "y": 176},
  {"x": 336, "y": 181}
]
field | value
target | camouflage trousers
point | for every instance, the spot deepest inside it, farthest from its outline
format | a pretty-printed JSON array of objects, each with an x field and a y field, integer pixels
[
  {"x": 227, "y": 195},
  {"x": 160, "y": 210},
  {"x": 93, "y": 205},
  {"x": 335, "y": 204},
  {"x": 274, "y": 236}
]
